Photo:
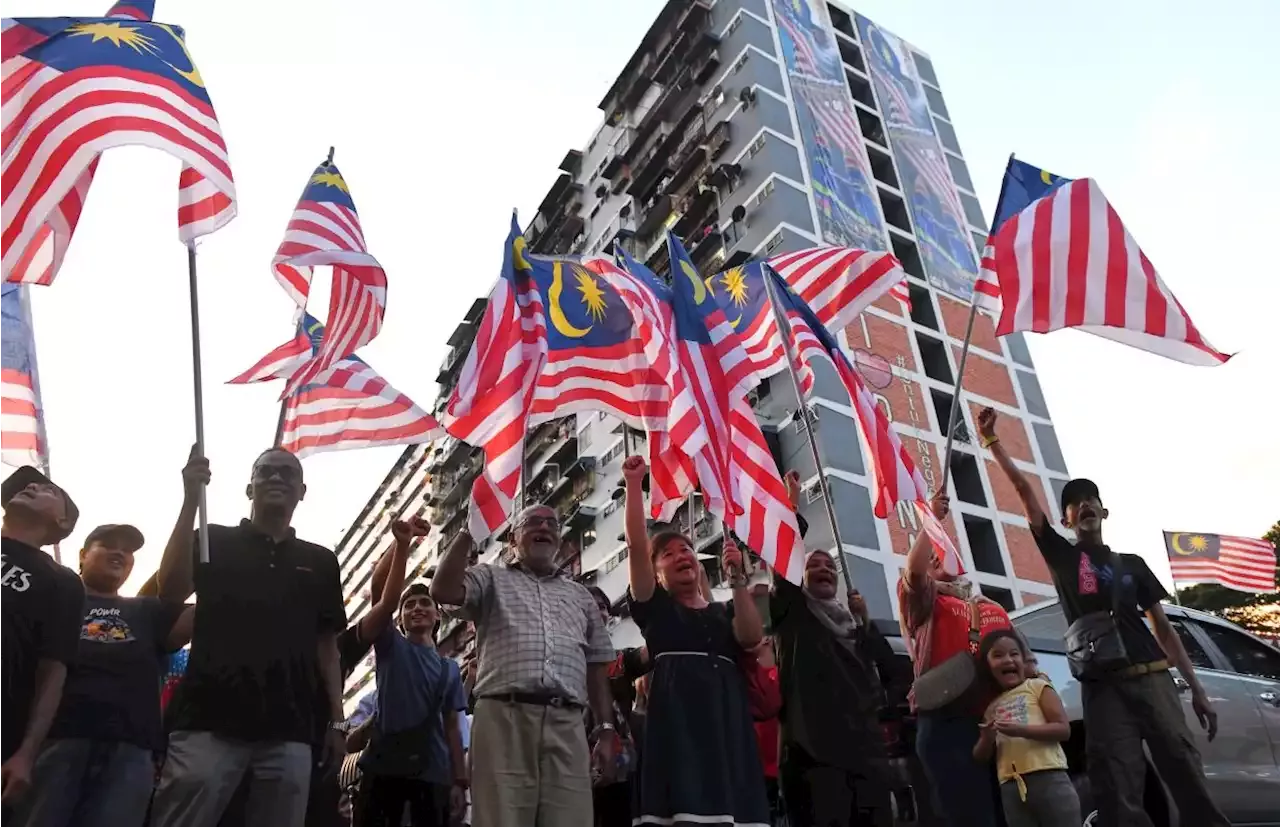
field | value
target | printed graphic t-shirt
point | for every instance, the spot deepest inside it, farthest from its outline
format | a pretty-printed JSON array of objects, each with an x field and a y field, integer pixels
[
  {"x": 1019, "y": 756},
  {"x": 113, "y": 685},
  {"x": 951, "y": 622},
  {"x": 41, "y": 605}
]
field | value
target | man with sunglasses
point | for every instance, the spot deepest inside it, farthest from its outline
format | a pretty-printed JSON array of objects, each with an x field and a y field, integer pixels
[
  {"x": 267, "y": 620},
  {"x": 543, "y": 657}
]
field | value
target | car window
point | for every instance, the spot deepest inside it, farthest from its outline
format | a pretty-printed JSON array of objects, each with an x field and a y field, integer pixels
[
  {"x": 1199, "y": 657},
  {"x": 1247, "y": 656}
]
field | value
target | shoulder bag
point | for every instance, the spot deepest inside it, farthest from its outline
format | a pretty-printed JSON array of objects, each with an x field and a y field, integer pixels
[
  {"x": 1094, "y": 645},
  {"x": 951, "y": 680},
  {"x": 406, "y": 753}
]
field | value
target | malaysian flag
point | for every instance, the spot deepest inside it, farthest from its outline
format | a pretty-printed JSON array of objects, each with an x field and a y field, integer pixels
[
  {"x": 489, "y": 407},
  {"x": 893, "y": 469},
  {"x": 1246, "y": 564},
  {"x": 347, "y": 406},
  {"x": 22, "y": 437},
  {"x": 1063, "y": 258},
  {"x": 902, "y": 293},
  {"x": 74, "y": 87},
  {"x": 324, "y": 230}
]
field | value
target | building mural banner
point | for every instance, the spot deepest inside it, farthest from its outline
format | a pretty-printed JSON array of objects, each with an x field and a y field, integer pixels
[
  {"x": 839, "y": 170},
  {"x": 945, "y": 246}
]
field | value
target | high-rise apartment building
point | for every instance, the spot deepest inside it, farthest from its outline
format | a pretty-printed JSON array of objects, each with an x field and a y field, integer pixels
[{"x": 751, "y": 128}]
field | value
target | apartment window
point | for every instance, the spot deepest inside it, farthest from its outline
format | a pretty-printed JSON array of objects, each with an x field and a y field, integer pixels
[
  {"x": 983, "y": 544},
  {"x": 933, "y": 353},
  {"x": 942, "y": 407},
  {"x": 612, "y": 454},
  {"x": 922, "y": 307},
  {"x": 895, "y": 210},
  {"x": 1002, "y": 596},
  {"x": 907, "y": 253},
  {"x": 774, "y": 242},
  {"x": 964, "y": 473},
  {"x": 947, "y": 134},
  {"x": 925, "y": 68},
  {"x": 742, "y": 61},
  {"x": 764, "y": 193},
  {"x": 584, "y": 439},
  {"x": 733, "y": 26},
  {"x": 959, "y": 172},
  {"x": 935, "y": 102},
  {"x": 979, "y": 242},
  {"x": 972, "y": 211},
  {"x": 756, "y": 146}
]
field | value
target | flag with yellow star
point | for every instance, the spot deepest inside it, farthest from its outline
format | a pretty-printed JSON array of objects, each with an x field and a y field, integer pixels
[{"x": 1246, "y": 564}]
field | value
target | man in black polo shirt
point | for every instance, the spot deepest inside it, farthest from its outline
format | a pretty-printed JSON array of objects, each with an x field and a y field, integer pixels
[
  {"x": 42, "y": 604},
  {"x": 1133, "y": 704},
  {"x": 268, "y": 612}
]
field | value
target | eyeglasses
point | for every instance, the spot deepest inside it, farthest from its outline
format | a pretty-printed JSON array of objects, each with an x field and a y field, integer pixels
[{"x": 534, "y": 521}]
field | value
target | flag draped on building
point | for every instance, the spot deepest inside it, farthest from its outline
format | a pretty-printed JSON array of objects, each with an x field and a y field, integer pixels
[
  {"x": 1246, "y": 564},
  {"x": 74, "y": 87},
  {"x": 22, "y": 437},
  {"x": 346, "y": 406},
  {"x": 324, "y": 230},
  {"x": 892, "y": 469},
  {"x": 1061, "y": 257}
]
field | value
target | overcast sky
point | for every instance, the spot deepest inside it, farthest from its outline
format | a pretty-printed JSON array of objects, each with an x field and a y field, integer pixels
[{"x": 445, "y": 116}]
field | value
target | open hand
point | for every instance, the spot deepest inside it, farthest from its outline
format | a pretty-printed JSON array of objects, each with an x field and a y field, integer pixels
[
  {"x": 633, "y": 469},
  {"x": 792, "y": 480},
  {"x": 987, "y": 423}
]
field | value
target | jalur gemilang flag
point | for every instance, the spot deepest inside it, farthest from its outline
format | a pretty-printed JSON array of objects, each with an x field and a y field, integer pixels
[
  {"x": 1246, "y": 564},
  {"x": 22, "y": 433},
  {"x": 1061, "y": 257},
  {"x": 891, "y": 467},
  {"x": 74, "y": 87}
]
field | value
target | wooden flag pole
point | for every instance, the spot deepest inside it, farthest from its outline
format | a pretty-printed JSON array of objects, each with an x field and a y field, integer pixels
[
  {"x": 802, "y": 410},
  {"x": 954, "y": 413},
  {"x": 198, "y": 382}
]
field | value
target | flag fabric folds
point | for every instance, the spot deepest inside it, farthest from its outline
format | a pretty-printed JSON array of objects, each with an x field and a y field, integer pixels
[
  {"x": 1062, "y": 257},
  {"x": 347, "y": 406},
  {"x": 74, "y": 87},
  {"x": 892, "y": 468},
  {"x": 1245, "y": 564},
  {"x": 324, "y": 230},
  {"x": 22, "y": 437}
]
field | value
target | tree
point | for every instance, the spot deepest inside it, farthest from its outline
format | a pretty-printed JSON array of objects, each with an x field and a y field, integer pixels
[{"x": 1259, "y": 613}]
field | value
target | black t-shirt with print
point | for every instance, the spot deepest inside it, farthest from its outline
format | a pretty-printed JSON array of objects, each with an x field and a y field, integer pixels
[
  {"x": 41, "y": 605},
  {"x": 113, "y": 685},
  {"x": 1083, "y": 577}
]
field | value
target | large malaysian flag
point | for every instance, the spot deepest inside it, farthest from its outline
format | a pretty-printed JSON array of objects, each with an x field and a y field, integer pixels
[{"x": 22, "y": 436}]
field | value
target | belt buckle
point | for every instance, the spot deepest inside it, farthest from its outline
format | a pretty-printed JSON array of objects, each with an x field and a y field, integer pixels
[{"x": 556, "y": 701}]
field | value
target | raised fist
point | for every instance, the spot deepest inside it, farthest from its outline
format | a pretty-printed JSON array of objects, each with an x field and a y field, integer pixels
[
  {"x": 405, "y": 530},
  {"x": 634, "y": 468},
  {"x": 195, "y": 474},
  {"x": 731, "y": 557},
  {"x": 792, "y": 479},
  {"x": 987, "y": 423},
  {"x": 940, "y": 505}
]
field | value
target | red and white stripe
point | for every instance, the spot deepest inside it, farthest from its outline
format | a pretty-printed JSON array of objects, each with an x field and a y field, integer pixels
[
  {"x": 894, "y": 472},
  {"x": 1067, "y": 260},
  {"x": 280, "y": 363},
  {"x": 1245, "y": 564},
  {"x": 55, "y": 126},
  {"x": 902, "y": 293},
  {"x": 986, "y": 287},
  {"x": 22, "y": 436},
  {"x": 354, "y": 408}
]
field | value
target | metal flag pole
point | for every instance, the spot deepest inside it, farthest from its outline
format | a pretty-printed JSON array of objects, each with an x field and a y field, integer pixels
[
  {"x": 803, "y": 410},
  {"x": 198, "y": 383},
  {"x": 954, "y": 413},
  {"x": 42, "y": 436}
]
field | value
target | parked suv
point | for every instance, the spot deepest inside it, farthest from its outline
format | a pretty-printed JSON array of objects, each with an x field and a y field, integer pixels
[{"x": 1240, "y": 672}]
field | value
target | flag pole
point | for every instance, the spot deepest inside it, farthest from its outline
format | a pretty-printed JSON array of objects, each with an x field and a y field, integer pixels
[
  {"x": 197, "y": 381},
  {"x": 803, "y": 410},
  {"x": 42, "y": 436},
  {"x": 953, "y": 414}
]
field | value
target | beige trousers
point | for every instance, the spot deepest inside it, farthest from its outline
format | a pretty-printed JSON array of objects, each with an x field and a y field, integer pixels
[{"x": 530, "y": 766}]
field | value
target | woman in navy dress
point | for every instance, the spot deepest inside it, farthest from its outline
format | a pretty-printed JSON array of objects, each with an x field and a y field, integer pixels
[{"x": 700, "y": 763}]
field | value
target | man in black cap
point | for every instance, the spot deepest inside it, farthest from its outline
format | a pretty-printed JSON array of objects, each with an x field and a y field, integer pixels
[
  {"x": 1132, "y": 699},
  {"x": 42, "y": 603},
  {"x": 97, "y": 767}
]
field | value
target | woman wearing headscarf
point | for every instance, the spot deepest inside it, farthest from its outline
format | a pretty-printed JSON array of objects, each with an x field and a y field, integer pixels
[
  {"x": 832, "y": 762},
  {"x": 699, "y": 763},
  {"x": 944, "y": 619}
]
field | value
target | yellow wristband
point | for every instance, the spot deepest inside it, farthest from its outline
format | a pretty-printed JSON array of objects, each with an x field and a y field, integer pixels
[{"x": 989, "y": 441}]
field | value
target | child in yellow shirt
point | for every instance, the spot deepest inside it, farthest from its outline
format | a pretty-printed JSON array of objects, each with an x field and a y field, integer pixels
[{"x": 1025, "y": 727}]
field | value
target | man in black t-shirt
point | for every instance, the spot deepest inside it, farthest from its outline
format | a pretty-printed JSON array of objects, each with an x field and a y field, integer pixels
[
  {"x": 97, "y": 767},
  {"x": 41, "y": 605},
  {"x": 268, "y": 612},
  {"x": 1137, "y": 703}
]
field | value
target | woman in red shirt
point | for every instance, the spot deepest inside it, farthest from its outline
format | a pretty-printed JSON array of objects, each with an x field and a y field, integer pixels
[{"x": 943, "y": 619}]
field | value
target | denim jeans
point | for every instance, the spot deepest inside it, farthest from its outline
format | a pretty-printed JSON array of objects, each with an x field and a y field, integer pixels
[
  {"x": 963, "y": 789},
  {"x": 81, "y": 783}
]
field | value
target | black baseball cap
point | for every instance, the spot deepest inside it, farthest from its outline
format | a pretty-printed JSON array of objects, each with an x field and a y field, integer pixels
[
  {"x": 1078, "y": 489},
  {"x": 28, "y": 474},
  {"x": 414, "y": 589},
  {"x": 129, "y": 537}
]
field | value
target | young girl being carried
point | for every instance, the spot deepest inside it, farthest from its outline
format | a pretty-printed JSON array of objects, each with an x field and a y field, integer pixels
[{"x": 1025, "y": 727}]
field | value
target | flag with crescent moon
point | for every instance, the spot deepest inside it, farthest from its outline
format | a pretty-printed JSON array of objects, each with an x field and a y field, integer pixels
[
  {"x": 1245, "y": 564},
  {"x": 135, "y": 81}
]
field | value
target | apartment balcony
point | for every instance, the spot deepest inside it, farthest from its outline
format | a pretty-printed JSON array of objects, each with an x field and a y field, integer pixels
[
  {"x": 654, "y": 216},
  {"x": 707, "y": 243},
  {"x": 572, "y": 162},
  {"x": 620, "y": 148},
  {"x": 695, "y": 210}
]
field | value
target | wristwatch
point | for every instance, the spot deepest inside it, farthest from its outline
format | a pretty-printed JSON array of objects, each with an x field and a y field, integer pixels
[
  {"x": 605, "y": 727},
  {"x": 339, "y": 726}
]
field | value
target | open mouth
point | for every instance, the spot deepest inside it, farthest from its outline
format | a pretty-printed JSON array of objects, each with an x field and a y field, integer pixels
[
  {"x": 685, "y": 564},
  {"x": 1086, "y": 512}
]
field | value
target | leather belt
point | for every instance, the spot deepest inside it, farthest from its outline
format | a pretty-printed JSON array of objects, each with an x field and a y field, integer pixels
[
  {"x": 1140, "y": 669},
  {"x": 534, "y": 699}
]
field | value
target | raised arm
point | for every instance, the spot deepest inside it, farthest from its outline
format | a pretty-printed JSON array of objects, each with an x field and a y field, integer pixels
[
  {"x": 447, "y": 586},
  {"x": 639, "y": 562},
  {"x": 748, "y": 628},
  {"x": 1026, "y": 493},
  {"x": 375, "y": 622},
  {"x": 175, "y": 578},
  {"x": 920, "y": 557}
]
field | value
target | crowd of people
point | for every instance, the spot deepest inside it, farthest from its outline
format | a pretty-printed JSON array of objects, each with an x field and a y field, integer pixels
[{"x": 763, "y": 710}]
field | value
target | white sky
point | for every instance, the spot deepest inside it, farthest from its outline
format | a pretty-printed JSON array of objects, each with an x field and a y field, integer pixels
[{"x": 446, "y": 119}]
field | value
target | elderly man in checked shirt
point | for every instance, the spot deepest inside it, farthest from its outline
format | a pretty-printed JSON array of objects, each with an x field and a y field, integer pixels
[{"x": 543, "y": 654}]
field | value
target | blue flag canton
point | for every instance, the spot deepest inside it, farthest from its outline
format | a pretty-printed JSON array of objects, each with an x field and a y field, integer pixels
[
  {"x": 137, "y": 9},
  {"x": 313, "y": 329},
  {"x": 692, "y": 303},
  {"x": 583, "y": 309},
  {"x": 1023, "y": 185},
  {"x": 156, "y": 49},
  {"x": 327, "y": 186},
  {"x": 741, "y": 294},
  {"x": 15, "y": 352}
]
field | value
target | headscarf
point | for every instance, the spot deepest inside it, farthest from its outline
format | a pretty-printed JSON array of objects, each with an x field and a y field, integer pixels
[{"x": 835, "y": 616}]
